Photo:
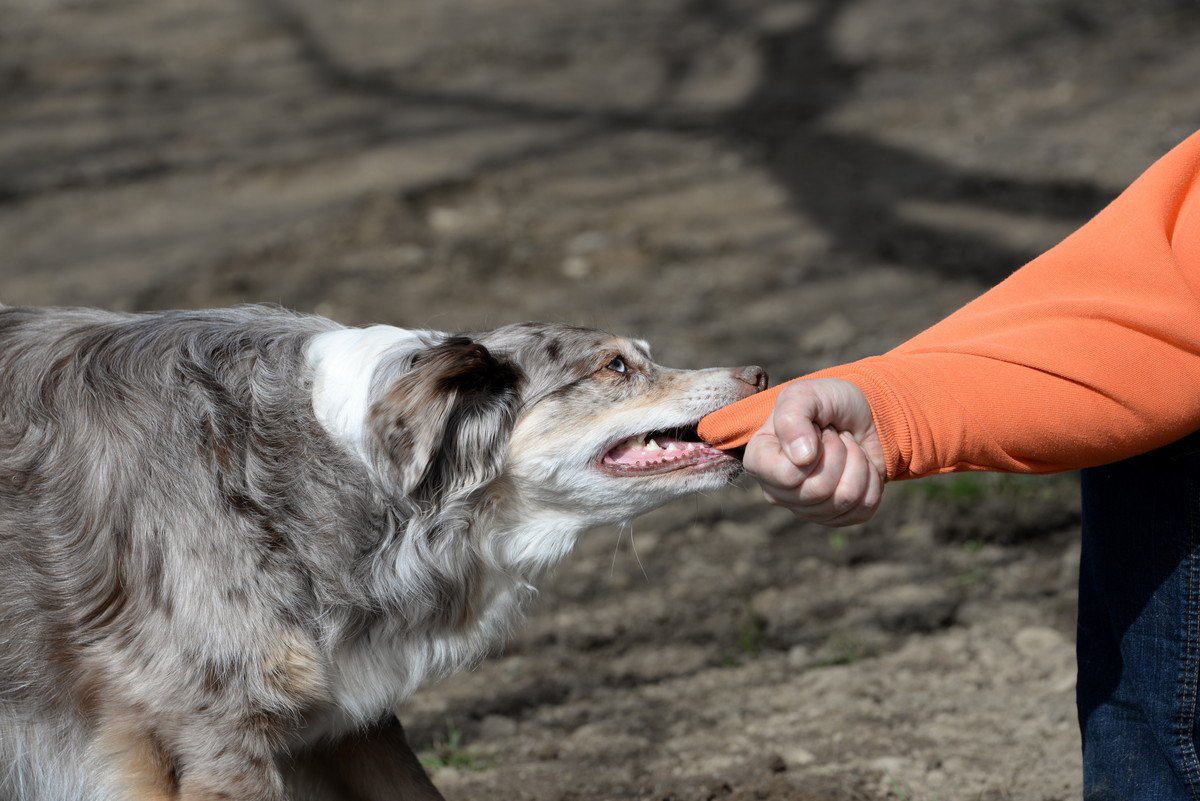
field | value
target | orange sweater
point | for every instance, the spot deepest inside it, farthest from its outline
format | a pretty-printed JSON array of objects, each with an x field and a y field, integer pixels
[{"x": 1088, "y": 354}]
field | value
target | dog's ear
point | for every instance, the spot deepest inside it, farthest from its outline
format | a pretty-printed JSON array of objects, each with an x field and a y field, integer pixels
[{"x": 444, "y": 424}]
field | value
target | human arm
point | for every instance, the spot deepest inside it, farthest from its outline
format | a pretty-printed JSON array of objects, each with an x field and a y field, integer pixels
[{"x": 1088, "y": 354}]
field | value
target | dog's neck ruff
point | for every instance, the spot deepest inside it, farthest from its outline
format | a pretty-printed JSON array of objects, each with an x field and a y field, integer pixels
[{"x": 343, "y": 364}]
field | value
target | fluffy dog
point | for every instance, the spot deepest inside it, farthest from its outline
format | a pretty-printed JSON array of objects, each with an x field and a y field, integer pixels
[{"x": 231, "y": 541}]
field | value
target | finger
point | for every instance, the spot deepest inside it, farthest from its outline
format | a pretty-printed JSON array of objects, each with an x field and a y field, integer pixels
[
  {"x": 860, "y": 496},
  {"x": 852, "y": 502},
  {"x": 874, "y": 494},
  {"x": 856, "y": 478},
  {"x": 795, "y": 411},
  {"x": 811, "y": 496},
  {"x": 765, "y": 460},
  {"x": 854, "y": 517},
  {"x": 824, "y": 478},
  {"x": 849, "y": 493}
]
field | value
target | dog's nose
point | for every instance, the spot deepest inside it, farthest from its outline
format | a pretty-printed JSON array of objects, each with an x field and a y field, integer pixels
[{"x": 754, "y": 376}]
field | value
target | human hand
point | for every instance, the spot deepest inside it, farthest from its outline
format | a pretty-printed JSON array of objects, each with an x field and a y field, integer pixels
[{"x": 819, "y": 454}]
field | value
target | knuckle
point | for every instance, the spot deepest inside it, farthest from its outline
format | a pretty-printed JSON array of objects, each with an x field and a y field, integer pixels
[
  {"x": 776, "y": 472},
  {"x": 763, "y": 469},
  {"x": 850, "y": 493},
  {"x": 786, "y": 475},
  {"x": 819, "y": 490},
  {"x": 844, "y": 501},
  {"x": 793, "y": 408},
  {"x": 795, "y": 391}
]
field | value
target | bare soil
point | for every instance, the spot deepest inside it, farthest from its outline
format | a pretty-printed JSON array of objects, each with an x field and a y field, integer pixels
[{"x": 790, "y": 184}]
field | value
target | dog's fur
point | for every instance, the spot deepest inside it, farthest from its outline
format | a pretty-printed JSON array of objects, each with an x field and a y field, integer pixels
[{"x": 231, "y": 541}]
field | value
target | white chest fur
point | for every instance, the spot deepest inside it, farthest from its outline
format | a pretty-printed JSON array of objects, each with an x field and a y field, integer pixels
[{"x": 387, "y": 664}]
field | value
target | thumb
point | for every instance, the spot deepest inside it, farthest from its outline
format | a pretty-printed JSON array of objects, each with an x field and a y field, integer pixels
[
  {"x": 795, "y": 420},
  {"x": 767, "y": 460},
  {"x": 806, "y": 407}
]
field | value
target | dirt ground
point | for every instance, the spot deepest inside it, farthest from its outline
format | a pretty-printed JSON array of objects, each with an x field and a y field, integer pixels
[{"x": 790, "y": 184}]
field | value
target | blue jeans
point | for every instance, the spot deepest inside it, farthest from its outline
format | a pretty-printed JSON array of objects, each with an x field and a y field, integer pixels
[{"x": 1139, "y": 627}]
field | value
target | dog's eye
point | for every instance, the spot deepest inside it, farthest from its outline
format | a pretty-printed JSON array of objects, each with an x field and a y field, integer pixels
[{"x": 617, "y": 365}]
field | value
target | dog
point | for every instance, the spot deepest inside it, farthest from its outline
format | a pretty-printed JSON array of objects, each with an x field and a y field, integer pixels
[{"x": 232, "y": 541}]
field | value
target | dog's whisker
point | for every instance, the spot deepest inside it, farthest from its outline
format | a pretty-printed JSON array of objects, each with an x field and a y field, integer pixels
[
  {"x": 612, "y": 569},
  {"x": 633, "y": 546}
]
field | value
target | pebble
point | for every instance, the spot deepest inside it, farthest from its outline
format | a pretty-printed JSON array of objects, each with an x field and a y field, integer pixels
[
  {"x": 799, "y": 656},
  {"x": 798, "y": 756},
  {"x": 1037, "y": 642},
  {"x": 576, "y": 267}
]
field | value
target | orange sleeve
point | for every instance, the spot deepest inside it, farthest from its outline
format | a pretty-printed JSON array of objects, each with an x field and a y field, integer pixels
[{"x": 1088, "y": 354}]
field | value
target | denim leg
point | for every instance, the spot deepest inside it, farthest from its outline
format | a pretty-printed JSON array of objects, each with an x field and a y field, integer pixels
[{"x": 1139, "y": 627}]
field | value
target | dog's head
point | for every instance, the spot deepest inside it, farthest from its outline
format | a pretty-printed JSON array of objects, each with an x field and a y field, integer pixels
[
  {"x": 546, "y": 428},
  {"x": 550, "y": 424},
  {"x": 606, "y": 434}
]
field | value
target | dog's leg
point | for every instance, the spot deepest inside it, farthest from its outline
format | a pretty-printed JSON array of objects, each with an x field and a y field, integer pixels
[
  {"x": 377, "y": 765},
  {"x": 381, "y": 765},
  {"x": 212, "y": 764},
  {"x": 144, "y": 769},
  {"x": 232, "y": 780},
  {"x": 232, "y": 763}
]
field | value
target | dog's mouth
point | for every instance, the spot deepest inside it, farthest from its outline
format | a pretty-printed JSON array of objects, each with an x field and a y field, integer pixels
[{"x": 662, "y": 451}]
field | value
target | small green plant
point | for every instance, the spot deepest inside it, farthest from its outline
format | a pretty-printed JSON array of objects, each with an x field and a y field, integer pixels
[
  {"x": 752, "y": 632},
  {"x": 838, "y": 541},
  {"x": 971, "y": 576},
  {"x": 954, "y": 487},
  {"x": 973, "y": 487},
  {"x": 450, "y": 753},
  {"x": 897, "y": 791}
]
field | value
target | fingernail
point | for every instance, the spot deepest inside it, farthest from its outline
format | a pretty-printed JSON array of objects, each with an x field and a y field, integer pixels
[{"x": 800, "y": 450}]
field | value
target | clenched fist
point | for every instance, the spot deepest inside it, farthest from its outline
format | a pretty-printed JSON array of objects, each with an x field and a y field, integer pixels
[{"x": 819, "y": 455}]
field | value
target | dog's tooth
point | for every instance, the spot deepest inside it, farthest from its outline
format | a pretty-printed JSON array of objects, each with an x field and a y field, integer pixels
[
  {"x": 671, "y": 446},
  {"x": 653, "y": 446}
]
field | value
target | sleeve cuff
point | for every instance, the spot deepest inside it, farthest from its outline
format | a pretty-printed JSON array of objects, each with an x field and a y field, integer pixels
[{"x": 891, "y": 422}]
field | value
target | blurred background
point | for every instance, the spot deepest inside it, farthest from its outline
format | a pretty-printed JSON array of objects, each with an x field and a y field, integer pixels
[{"x": 785, "y": 183}]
